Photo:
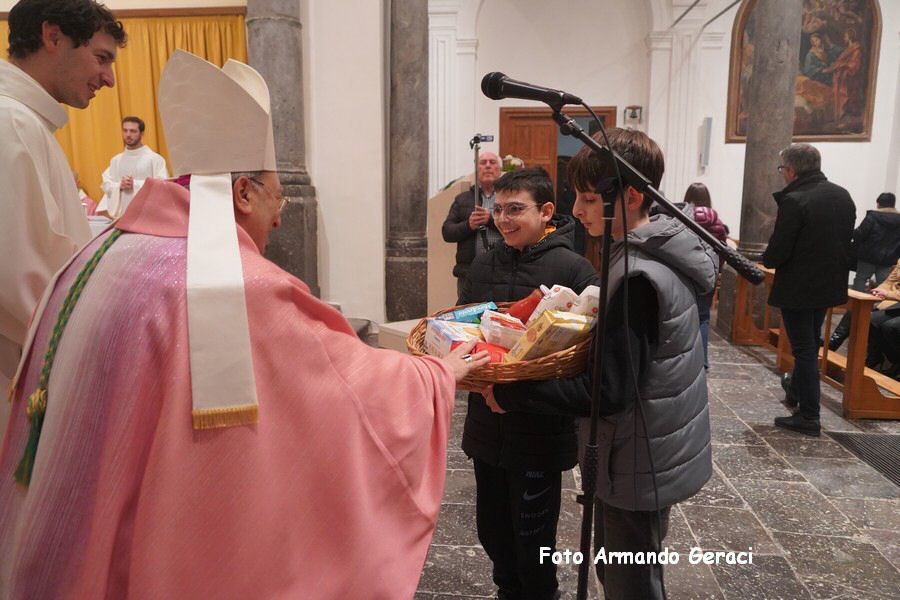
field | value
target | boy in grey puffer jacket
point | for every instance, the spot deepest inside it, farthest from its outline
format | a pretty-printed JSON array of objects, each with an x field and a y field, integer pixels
[{"x": 654, "y": 398}]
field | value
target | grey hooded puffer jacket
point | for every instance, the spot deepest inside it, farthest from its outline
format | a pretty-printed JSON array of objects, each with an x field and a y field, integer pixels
[{"x": 673, "y": 387}]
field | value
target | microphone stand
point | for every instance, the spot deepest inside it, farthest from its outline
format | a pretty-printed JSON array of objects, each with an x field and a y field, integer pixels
[
  {"x": 634, "y": 178},
  {"x": 475, "y": 143}
]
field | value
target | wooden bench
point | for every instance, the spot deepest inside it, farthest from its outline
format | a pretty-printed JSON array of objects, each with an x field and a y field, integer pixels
[{"x": 867, "y": 394}]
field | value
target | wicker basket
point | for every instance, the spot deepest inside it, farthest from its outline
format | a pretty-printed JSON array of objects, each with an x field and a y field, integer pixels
[{"x": 565, "y": 363}]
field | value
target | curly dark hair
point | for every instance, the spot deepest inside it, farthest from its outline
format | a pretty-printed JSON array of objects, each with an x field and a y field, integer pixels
[{"x": 77, "y": 19}]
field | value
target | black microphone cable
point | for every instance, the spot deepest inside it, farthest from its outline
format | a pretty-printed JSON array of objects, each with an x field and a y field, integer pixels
[{"x": 638, "y": 401}]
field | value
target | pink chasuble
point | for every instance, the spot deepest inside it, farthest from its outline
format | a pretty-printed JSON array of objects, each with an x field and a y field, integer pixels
[{"x": 334, "y": 493}]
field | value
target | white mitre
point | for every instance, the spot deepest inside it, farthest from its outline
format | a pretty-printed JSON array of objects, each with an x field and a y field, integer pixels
[{"x": 216, "y": 121}]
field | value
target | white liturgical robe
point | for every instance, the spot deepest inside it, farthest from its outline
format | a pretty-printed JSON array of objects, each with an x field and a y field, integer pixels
[
  {"x": 42, "y": 222},
  {"x": 140, "y": 164}
]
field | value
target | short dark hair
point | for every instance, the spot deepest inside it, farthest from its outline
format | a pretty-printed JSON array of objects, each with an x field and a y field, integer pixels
[
  {"x": 698, "y": 195},
  {"x": 802, "y": 158},
  {"x": 886, "y": 200},
  {"x": 586, "y": 170},
  {"x": 534, "y": 180},
  {"x": 77, "y": 19},
  {"x": 138, "y": 120}
]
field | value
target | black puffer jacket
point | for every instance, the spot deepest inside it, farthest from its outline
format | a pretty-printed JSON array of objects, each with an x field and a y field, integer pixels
[
  {"x": 810, "y": 246},
  {"x": 524, "y": 441},
  {"x": 877, "y": 239}
]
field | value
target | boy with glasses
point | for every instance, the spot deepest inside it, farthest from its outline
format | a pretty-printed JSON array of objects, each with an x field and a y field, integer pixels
[{"x": 519, "y": 457}]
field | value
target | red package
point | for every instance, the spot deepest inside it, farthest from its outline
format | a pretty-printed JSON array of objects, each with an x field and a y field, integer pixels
[
  {"x": 496, "y": 352},
  {"x": 523, "y": 308}
]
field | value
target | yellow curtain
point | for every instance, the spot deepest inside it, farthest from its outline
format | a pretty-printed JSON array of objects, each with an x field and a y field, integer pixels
[{"x": 93, "y": 135}]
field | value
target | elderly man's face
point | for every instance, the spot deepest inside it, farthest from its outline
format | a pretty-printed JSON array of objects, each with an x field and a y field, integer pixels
[
  {"x": 488, "y": 168},
  {"x": 258, "y": 204}
]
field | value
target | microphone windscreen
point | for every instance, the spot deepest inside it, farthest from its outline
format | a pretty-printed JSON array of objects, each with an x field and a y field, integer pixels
[{"x": 492, "y": 85}]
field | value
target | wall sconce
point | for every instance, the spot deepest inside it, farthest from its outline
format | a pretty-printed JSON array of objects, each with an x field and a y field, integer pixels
[{"x": 633, "y": 115}]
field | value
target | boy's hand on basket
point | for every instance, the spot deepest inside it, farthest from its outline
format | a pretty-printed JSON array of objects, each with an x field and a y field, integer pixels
[
  {"x": 462, "y": 362},
  {"x": 489, "y": 399}
]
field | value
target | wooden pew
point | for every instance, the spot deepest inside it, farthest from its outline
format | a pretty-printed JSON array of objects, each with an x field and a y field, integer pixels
[{"x": 867, "y": 394}]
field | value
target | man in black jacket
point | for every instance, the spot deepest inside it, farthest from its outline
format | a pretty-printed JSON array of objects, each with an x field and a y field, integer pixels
[
  {"x": 519, "y": 457},
  {"x": 469, "y": 224},
  {"x": 810, "y": 251},
  {"x": 876, "y": 247}
]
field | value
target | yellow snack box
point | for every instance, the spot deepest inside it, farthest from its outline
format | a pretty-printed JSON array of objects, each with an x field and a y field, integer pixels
[{"x": 551, "y": 332}]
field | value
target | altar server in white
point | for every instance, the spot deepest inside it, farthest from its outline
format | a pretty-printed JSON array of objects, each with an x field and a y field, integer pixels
[
  {"x": 60, "y": 51},
  {"x": 129, "y": 169}
]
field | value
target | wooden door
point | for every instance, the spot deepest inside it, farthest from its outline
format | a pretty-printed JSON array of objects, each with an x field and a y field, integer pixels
[
  {"x": 531, "y": 134},
  {"x": 529, "y": 138}
]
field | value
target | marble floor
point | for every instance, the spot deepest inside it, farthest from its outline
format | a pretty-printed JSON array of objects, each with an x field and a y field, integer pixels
[{"x": 822, "y": 523}]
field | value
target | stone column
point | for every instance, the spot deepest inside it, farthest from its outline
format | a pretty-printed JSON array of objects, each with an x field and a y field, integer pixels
[
  {"x": 274, "y": 48},
  {"x": 406, "y": 248},
  {"x": 770, "y": 126}
]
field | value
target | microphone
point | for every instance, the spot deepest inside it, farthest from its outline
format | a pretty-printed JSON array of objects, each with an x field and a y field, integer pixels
[{"x": 497, "y": 86}]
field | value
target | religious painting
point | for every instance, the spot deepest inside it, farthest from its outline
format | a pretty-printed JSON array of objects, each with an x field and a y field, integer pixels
[{"x": 835, "y": 82}]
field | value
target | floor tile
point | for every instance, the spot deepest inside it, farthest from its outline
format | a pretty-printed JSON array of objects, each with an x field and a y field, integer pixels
[
  {"x": 870, "y": 512},
  {"x": 753, "y": 462},
  {"x": 459, "y": 487},
  {"x": 803, "y": 445},
  {"x": 456, "y": 526},
  {"x": 848, "y": 562},
  {"x": 794, "y": 507},
  {"x": 734, "y": 529},
  {"x": 731, "y": 430},
  {"x": 845, "y": 478},
  {"x": 457, "y": 570},
  {"x": 716, "y": 492},
  {"x": 888, "y": 542},
  {"x": 768, "y": 578},
  {"x": 458, "y": 460}
]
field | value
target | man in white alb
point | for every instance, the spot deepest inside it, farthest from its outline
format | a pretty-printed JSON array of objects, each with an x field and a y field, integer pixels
[
  {"x": 128, "y": 170},
  {"x": 60, "y": 52}
]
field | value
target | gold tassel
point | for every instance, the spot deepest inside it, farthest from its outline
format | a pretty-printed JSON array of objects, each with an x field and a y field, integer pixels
[
  {"x": 211, "y": 418},
  {"x": 37, "y": 406}
]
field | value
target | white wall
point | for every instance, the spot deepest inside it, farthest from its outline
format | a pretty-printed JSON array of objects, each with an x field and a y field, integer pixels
[
  {"x": 343, "y": 66},
  {"x": 865, "y": 168},
  {"x": 595, "y": 50}
]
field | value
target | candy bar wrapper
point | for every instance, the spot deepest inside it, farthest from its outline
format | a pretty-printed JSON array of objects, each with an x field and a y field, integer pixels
[
  {"x": 470, "y": 314},
  {"x": 551, "y": 332},
  {"x": 501, "y": 330},
  {"x": 440, "y": 336},
  {"x": 496, "y": 353},
  {"x": 559, "y": 298}
]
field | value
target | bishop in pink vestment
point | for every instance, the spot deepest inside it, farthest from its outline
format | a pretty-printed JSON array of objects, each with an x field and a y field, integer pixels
[{"x": 333, "y": 493}]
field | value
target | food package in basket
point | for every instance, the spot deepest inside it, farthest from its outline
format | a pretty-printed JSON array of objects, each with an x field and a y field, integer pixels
[
  {"x": 441, "y": 335},
  {"x": 561, "y": 298},
  {"x": 469, "y": 314},
  {"x": 551, "y": 332},
  {"x": 495, "y": 353},
  {"x": 501, "y": 330}
]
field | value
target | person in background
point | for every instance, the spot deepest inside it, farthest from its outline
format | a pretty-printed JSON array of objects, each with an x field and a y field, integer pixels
[
  {"x": 876, "y": 247},
  {"x": 469, "y": 224},
  {"x": 697, "y": 197},
  {"x": 60, "y": 52},
  {"x": 519, "y": 458},
  {"x": 128, "y": 170},
  {"x": 810, "y": 251}
]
